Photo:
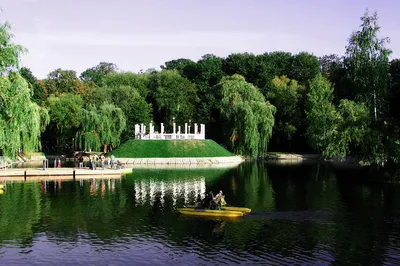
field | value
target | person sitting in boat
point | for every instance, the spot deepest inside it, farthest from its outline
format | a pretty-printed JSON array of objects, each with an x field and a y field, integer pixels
[
  {"x": 206, "y": 202},
  {"x": 220, "y": 199},
  {"x": 218, "y": 195}
]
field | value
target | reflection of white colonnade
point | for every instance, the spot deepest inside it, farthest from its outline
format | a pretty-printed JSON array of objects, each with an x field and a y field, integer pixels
[{"x": 189, "y": 190}]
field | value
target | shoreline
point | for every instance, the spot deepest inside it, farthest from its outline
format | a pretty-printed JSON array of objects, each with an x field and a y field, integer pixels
[
  {"x": 227, "y": 161},
  {"x": 232, "y": 160},
  {"x": 235, "y": 160}
]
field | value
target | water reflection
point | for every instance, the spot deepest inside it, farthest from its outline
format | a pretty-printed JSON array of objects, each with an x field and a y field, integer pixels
[
  {"x": 308, "y": 215},
  {"x": 158, "y": 190}
]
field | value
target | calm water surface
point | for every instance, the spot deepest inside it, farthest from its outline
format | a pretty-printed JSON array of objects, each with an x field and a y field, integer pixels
[{"x": 302, "y": 215}]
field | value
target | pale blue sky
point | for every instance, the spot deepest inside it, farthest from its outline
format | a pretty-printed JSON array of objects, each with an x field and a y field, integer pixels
[{"x": 77, "y": 35}]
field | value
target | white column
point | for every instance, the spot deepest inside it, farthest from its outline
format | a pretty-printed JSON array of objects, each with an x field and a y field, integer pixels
[
  {"x": 162, "y": 131},
  {"x": 141, "y": 128},
  {"x": 186, "y": 128},
  {"x": 203, "y": 131},
  {"x": 151, "y": 130},
  {"x": 195, "y": 128},
  {"x": 179, "y": 132},
  {"x": 137, "y": 130},
  {"x": 174, "y": 131},
  {"x": 144, "y": 130}
]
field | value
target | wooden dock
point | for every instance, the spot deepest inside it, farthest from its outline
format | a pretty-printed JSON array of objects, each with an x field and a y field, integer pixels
[{"x": 37, "y": 174}]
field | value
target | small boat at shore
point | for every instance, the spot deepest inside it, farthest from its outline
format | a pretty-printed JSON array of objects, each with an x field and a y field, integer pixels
[{"x": 210, "y": 213}]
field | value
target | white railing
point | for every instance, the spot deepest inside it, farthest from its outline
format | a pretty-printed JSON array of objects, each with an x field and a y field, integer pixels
[
  {"x": 199, "y": 132},
  {"x": 168, "y": 136}
]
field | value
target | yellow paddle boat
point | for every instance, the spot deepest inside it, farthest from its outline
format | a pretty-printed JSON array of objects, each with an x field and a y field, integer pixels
[
  {"x": 210, "y": 213},
  {"x": 230, "y": 208},
  {"x": 214, "y": 207}
]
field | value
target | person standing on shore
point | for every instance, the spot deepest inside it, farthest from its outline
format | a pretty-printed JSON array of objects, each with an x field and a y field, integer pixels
[
  {"x": 112, "y": 161},
  {"x": 92, "y": 162},
  {"x": 102, "y": 161},
  {"x": 80, "y": 162}
]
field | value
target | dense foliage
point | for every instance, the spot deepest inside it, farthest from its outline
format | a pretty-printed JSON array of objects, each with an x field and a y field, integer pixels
[
  {"x": 21, "y": 119},
  {"x": 250, "y": 117},
  {"x": 275, "y": 101}
]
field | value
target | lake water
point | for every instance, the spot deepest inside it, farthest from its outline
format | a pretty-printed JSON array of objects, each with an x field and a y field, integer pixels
[{"x": 301, "y": 215}]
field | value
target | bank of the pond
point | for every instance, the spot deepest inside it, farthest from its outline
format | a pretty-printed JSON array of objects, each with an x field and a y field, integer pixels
[
  {"x": 230, "y": 160},
  {"x": 171, "y": 149},
  {"x": 35, "y": 174},
  {"x": 292, "y": 156}
]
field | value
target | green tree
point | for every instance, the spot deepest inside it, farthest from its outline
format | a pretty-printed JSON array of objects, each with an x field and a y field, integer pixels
[
  {"x": 97, "y": 73},
  {"x": 321, "y": 113},
  {"x": 270, "y": 65},
  {"x": 38, "y": 95},
  {"x": 259, "y": 69},
  {"x": 329, "y": 64},
  {"x": 21, "y": 120},
  {"x": 134, "y": 106},
  {"x": 333, "y": 68},
  {"x": 9, "y": 51},
  {"x": 395, "y": 89},
  {"x": 61, "y": 81},
  {"x": 173, "y": 96},
  {"x": 242, "y": 64},
  {"x": 280, "y": 61},
  {"x": 208, "y": 74},
  {"x": 64, "y": 113},
  {"x": 368, "y": 65},
  {"x": 133, "y": 80},
  {"x": 250, "y": 116},
  {"x": 285, "y": 94},
  {"x": 304, "y": 67},
  {"x": 332, "y": 130},
  {"x": 100, "y": 127},
  {"x": 178, "y": 64}
]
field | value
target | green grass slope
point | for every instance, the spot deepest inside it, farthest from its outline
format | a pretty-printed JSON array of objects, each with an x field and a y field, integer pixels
[{"x": 170, "y": 149}]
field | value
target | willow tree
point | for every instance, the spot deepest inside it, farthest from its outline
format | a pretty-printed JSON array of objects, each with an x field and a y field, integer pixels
[
  {"x": 251, "y": 117},
  {"x": 21, "y": 120},
  {"x": 100, "y": 127},
  {"x": 128, "y": 98}
]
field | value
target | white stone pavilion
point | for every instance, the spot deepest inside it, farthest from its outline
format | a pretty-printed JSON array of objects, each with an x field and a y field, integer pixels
[{"x": 198, "y": 133}]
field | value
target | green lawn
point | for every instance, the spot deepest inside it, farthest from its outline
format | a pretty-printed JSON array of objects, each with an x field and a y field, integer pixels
[{"x": 170, "y": 149}]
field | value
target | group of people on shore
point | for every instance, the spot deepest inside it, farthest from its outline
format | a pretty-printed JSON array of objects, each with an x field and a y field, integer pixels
[{"x": 100, "y": 161}]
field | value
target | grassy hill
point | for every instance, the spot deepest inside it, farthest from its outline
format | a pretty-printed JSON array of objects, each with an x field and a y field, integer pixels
[{"x": 170, "y": 149}]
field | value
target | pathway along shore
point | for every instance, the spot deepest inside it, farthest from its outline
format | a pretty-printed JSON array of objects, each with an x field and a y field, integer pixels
[
  {"x": 67, "y": 173},
  {"x": 35, "y": 174}
]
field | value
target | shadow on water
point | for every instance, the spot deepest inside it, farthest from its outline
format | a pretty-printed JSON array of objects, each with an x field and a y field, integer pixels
[{"x": 299, "y": 216}]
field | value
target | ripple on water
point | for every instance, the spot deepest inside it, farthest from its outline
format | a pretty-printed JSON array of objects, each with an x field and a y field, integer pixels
[{"x": 134, "y": 223}]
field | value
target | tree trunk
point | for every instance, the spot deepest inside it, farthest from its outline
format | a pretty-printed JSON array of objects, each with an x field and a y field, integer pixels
[{"x": 105, "y": 148}]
